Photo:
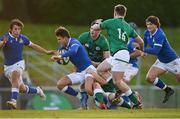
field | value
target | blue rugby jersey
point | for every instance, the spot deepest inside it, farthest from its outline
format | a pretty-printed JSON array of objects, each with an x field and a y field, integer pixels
[
  {"x": 159, "y": 46},
  {"x": 13, "y": 49},
  {"x": 77, "y": 54},
  {"x": 131, "y": 48}
]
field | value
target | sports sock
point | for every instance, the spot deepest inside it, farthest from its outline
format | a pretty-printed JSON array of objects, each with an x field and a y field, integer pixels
[
  {"x": 98, "y": 94},
  {"x": 69, "y": 90},
  {"x": 14, "y": 93},
  {"x": 159, "y": 83},
  {"x": 132, "y": 97},
  {"x": 31, "y": 90}
]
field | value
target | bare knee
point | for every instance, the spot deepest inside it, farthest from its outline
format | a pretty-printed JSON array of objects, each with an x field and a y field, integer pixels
[
  {"x": 178, "y": 77},
  {"x": 150, "y": 78},
  {"x": 22, "y": 88},
  {"x": 63, "y": 82}
]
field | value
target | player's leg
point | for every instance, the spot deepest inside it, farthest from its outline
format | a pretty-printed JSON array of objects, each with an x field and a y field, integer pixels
[
  {"x": 99, "y": 95},
  {"x": 14, "y": 78},
  {"x": 130, "y": 73},
  {"x": 152, "y": 76},
  {"x": 119, "y": 64},
  {"x": 83, "y": 97},
  {"x": 64, "y": 82}
]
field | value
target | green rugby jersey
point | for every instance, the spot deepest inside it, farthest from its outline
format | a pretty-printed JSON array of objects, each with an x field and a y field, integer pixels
[
  {"x": 119, "y": 32},
  {"x": 95, "y": 48}
]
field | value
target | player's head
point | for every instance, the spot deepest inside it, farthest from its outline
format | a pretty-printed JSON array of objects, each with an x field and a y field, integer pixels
[
  {"x": 152, "y": 23},
  {"x": 62, "y": 35},
  {"x": 15, "y": 27},
  {"x": 94, "y": 32},
  {"x": 134, "y": 26},
  {"x": 120, "y": 11}
]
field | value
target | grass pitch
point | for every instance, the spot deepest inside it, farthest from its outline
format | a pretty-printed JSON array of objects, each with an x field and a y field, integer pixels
[{"x": 92, "y": 114}]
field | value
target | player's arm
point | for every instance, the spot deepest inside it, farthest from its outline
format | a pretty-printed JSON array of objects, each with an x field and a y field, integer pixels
[
  {"x": 140, "y": 41},
  {"x": 136, "y": 52},
  {"x": 40, "y": 49},
  {"x": 72, "y": 51},
  {"x": 3, "y": 42},
  {"x": 156, "y": 47}
]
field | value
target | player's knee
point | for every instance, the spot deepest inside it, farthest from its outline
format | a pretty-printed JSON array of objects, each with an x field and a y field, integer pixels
[
  {"x": 60, "y": 85},
  {"x": 178, "y": 77},
  {"x": 150, "y": 78},
  {"x": 22, "y": 88},
  {"x": 96, "y": 85}
]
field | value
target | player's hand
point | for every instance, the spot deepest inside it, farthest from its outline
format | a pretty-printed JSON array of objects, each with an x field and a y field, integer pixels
[
  {"x": 51, "y": 52},
  {"x": 143, "y": 55},
  {"x": 5, "y": 40},
  {"x": 56, "y": 57}
]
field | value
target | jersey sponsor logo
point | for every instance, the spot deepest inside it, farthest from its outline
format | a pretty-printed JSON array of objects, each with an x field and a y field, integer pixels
[
  {"x": 21, "y": 41},
  {"x": 98, "y": 48}
]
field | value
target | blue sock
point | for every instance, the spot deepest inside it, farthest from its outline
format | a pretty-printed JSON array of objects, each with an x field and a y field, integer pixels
[
  {"x": 69, "y": 90},
  {"x": 14, "y": 93},
  {"x": 159, "y": 83},
  {"x": 84, "y": 99},
  {"x": 31, "y": 90},
  {"x": 126, "y": 98}
]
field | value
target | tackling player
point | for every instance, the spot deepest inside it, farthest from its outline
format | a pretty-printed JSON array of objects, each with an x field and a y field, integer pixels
[{"x": 119, "y": 32}]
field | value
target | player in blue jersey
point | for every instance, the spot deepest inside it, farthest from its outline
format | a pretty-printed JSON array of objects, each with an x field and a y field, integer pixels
[
  {"x": 134, "y": 52},
  {"x": 156, "y": 43},
  {"x": 79, "y": 57},
  {"x": 12, "y": 44}
]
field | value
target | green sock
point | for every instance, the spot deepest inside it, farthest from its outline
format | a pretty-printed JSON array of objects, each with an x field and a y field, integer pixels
[
  {"x": 133, "y": 98},
  {"x": 100, "y": 97},
  {"x": 126, "y": 105}
]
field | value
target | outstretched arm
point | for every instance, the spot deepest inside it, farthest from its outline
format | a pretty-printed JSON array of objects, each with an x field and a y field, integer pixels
[
  {"x": 3, "y": 42},
  {"x": 41, "y": 50}
]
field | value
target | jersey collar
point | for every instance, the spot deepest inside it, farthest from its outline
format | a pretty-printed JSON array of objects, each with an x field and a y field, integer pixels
[
  {"x": 12, "y": 36},
  {"x": 154, "y": 33},
  {"x": 68, "y": 43}
]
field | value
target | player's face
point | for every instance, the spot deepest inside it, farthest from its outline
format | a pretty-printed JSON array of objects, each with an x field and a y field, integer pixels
[
  {"x": 151, "y": 27},
  {"x": 62, "y": 40},
  {"x": 94, "y": 33},
  {"x": 15, "y": 31}
]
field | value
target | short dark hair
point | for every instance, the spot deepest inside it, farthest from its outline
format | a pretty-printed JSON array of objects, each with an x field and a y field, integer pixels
[
  {"x": 16, "y": 22},
  {"x": 154, "y": 20},
  {"x": 120, "y": 9},
  {"x": 95, "y": 21},
  {"x": 62, "y": 31}
]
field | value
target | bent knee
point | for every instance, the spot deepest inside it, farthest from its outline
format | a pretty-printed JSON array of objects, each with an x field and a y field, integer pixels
[
  {"x": 22, "y": 88},
  {"x": 150, "y": 78}
]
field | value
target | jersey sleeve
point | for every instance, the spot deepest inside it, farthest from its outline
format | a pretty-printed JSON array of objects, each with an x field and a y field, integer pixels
[
  {"x": 133, "y": 33},
  {"x": 26, "y": 40},
  {"x": 82, "y": 38},
  {"x": 105, "y": 24},
  {"x": 72, "y": 50},
  {"x": 105, "y": 45}
]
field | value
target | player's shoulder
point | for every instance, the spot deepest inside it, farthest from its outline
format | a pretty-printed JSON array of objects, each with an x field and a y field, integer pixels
[
  {"x": 160, "y": 34},
  {"x": 24, "y": 37}
]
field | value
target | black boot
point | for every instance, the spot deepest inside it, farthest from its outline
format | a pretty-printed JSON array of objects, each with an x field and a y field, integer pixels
[{"x": 168, "y": 92}]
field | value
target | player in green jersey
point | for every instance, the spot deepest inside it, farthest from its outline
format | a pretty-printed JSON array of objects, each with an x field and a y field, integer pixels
[
  {"x": 98, "y": 50},
  {"x": 96, "y": 45},
  {"x": 119, "y": 32}
]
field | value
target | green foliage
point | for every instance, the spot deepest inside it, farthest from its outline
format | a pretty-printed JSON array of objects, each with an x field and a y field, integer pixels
[{"x": 82, "y": 12}]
